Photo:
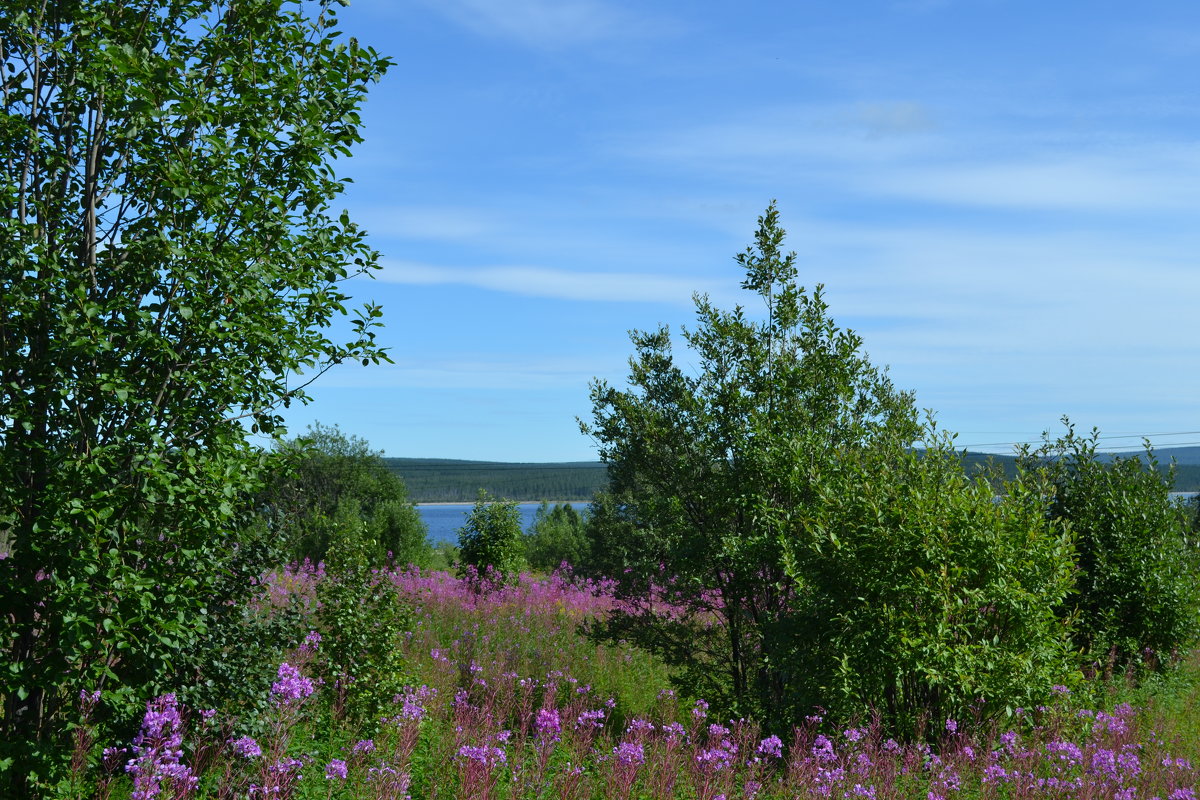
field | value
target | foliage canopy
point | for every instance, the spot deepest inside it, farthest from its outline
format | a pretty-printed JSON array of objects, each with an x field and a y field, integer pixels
[
  {"x": 1135, "y": 594},
  {"x": 780, "y": 540},
  {"x": 556, "y": 536},
  {"x": 491, "y": 540},
  {"x": 325, "y": 469},
  {"x": 169, "y": 266}
]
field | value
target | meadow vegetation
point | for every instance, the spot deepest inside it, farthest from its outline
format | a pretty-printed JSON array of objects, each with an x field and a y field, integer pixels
[
  {"x": 779, "y": 596},
  {"x": 790, "y": 587}
]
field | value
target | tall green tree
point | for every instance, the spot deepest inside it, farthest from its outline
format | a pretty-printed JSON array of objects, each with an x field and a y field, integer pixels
[
  {"x": 762, "y": 500},
  {"x": 170, "y": 264},
  {"x": 491, "y": 539},
  {"x": 325, "y": 469}
]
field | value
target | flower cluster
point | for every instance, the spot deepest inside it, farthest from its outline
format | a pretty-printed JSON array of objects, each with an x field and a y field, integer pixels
[
  {"x": 157, "y": 750},
  {"x": 291, "y": 686},
  {"x": 246, "y": 747}
]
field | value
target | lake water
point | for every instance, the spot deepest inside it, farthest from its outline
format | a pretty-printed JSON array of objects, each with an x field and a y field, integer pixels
[{"x": 444, "y": 519}]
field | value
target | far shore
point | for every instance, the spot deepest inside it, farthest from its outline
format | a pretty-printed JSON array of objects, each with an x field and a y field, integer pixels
[{"x": 472, "y": 502}]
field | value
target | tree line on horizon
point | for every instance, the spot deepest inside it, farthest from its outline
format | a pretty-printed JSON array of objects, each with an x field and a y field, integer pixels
[{"x": 435, "y": 480}]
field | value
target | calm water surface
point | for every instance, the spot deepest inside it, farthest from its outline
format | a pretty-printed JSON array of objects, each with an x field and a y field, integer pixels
[{"x": 444, "y": 520}]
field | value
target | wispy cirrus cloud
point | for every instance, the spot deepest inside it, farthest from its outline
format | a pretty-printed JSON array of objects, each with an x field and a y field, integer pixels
[
  {"x": 428, "y": 222},
  {"x": 547, "y": 282},
  {"x": 1125, "y": 179},
  {"x": 537, "y": 23}
]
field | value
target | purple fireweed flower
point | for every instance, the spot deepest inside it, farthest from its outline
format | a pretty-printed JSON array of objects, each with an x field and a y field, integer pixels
[
  {"x": 547, "y": 724},
  {"x": 291, "y": 685},
  {"x": 364, "y": 746},
  {"x": 713, "y": 759},
  {"x": 629, "y": 754},
  {"x": 157, "y": 749},
  {"x": 1068, "y": 752},
  {"x": 951, "y": 726},
  {"x": 335, "y": 770},
  {"x": 411, "y": 707},
  {"x": 640, "y": 727},
  {"x": 716, "y": 731},
  {"x": 674, "y": 732},
  {"x": 246, "y": 747},
  {"x": 594, "y": 719},
  {"x": 822, "y": 749},
  {"x": 853, "y": 734},
  {"x": 700, "y": 710},
  {"x": 488, "y": 756},
  {"x": 771, "y": 746}
]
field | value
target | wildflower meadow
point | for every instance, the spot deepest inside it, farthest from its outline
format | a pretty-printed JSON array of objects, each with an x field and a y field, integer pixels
[{"x": 506, "y": 697}]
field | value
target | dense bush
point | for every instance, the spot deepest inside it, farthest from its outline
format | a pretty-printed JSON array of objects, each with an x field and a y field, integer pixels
[
  {"x": 1136, "y": 597},
  {"x": 556, "y": 536},
  {"x": 922, "y": 596},
  {"x": 325, "y": 468},
  {"x": 492, "y": 541},
  {"x": 363, "y": 623}
]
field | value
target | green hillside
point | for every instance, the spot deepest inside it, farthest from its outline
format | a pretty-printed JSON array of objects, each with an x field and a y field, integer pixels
[
  {"x": 445, "y": 480},
  {"x": 1187, "y": 464}
]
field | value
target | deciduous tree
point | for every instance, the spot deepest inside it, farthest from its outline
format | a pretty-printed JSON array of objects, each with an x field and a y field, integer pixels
[
  {"x": 170, "y": 263},
  {"x": 326, "y": 468},
  {"x": 780, "y": 540},
  {"x": 491, "y": 540}
]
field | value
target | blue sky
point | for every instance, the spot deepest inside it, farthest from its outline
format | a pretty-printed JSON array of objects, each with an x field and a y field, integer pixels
[{"x": 1002, "y": 198}]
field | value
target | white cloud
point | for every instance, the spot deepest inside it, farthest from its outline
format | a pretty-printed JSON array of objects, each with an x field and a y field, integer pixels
[
  {"x": 420, "y": 222},
  {"x": 892, "y": 149},
  {"x": 1128, "y": 180},
  {"x": 539, "y": 23},
  {"x": 893, "y": 119},
  {"x": 554, "y": 283}
]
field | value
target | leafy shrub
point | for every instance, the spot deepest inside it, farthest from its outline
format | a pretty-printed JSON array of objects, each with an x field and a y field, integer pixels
[
  {"x": 557, "y": 535},
  {"x": 244, "y": 640},
  {"x": 923, "y": 596},
  {"x": 1136, "y": 594},
  {"x": 491, "y": 539},
  {"x": 326, "y": 467},
  {"x": 363, "y": 621}
]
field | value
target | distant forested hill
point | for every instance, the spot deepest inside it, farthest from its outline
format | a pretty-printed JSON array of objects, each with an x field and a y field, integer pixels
[
  {"x": 1187, "y": 464},
  {"x": 444, "y": 480}
]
